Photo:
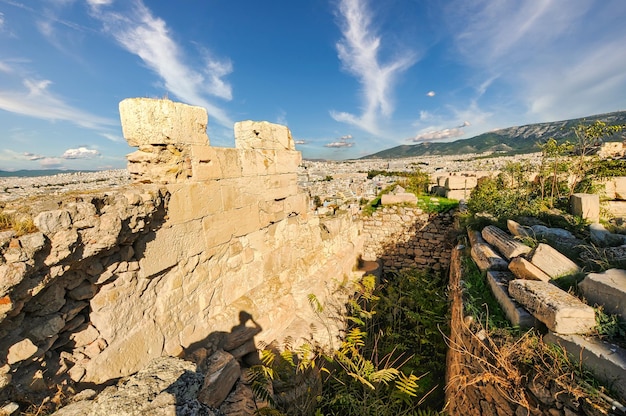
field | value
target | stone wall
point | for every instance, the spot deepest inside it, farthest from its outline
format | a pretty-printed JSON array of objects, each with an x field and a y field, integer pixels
[
  {"x": 403, "y": 237},
  {"x": 205, "y": 236}
]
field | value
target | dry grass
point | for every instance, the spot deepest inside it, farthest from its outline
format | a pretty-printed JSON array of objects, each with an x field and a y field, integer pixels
[
  {"x": 21, "y": 224},
  {"x": 512, "y": 363}
]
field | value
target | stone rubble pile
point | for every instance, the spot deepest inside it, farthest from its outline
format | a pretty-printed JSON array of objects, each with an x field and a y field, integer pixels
[
  {"x": 527, "y": 294},
  {"x": 48, "y": 328}
]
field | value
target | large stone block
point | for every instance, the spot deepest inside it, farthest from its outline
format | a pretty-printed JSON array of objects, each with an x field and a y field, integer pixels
[
  {"x": 552, "y": 262},
  {"x": 586, "y": 206},
  {"x": 607, "y": 362},
  {"x": 155, "y": 121},
  {"x": 607, "y": 288},
  {"x": 523, "y": 269},
  {"x": 616, "y": 208},
  {"x": 458, "y": 194},
  {"x": 194, "y": 201},
  {"x": 214, "y": 163},
  {"x": 460, "y": 182},
  {"x": 560, "y": 311},
  {"x": 401, "y": 198},
  {"x": 486, "y": 258},
  {"x": 262, "y": 135},
  {"x": 504, "y": 243},
  {"x": 499, "y": 284}
]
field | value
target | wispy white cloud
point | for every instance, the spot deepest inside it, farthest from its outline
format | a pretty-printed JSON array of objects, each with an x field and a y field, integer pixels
[
  {"x": 300, "y": 142},
  {"x": 112, "y": 137},
  {"x": 442, "y": 134},
  {"x": 554, "y": 62},
  {"x": 80, "y": 153},
  {"x": 358, "y": 51},
  {"x": 36, "y": 100},
  {"x": 147, "y": 36},
  {"x": 342, "y": 142},
  {"x": 431, "y": 93}
]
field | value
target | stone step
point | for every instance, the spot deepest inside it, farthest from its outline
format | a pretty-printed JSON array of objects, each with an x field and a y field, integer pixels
[
  {"x": 499, "y": 283},
  {"x": 606, "y": 361},
  {"x": 561, "y": 312},
  {"x": 552, "y": 262},
  {"x": 608, "y": 289},
  {"x": 508, "y": 246}
]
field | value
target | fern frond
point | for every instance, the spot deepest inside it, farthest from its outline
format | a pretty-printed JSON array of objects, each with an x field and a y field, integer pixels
[
  {"x": 407, "y": 384},
  {"x": 385, "y": 375},
  {"x": 315, "y": 303}
]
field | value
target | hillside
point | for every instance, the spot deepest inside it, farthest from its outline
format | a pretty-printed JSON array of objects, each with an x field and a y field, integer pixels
[{"x": 512, "y": 140}]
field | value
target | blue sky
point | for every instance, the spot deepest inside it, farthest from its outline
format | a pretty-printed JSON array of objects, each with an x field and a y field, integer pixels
[{"x": 349, "y": 77}]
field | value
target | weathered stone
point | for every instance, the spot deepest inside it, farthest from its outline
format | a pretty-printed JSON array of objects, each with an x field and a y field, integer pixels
[
  {"x": 48, "y": 301},
  {"x": 560, "y": 311},
  {"x": 86, "y": 290},
  {"x": 541, "y": 231},
  {"x": 605, "y": 361},
  {"x": 240, "y": 402},
  {"x": 518, "y": 230},
  {"x": 400, "y": 198},
  {"x": 503, "y": 242},
  {"x": 167, "y": 386},
  {"x": 84, "y": 336},
  {"x": 47, "y": 327},
  {"x": 458, "y": 194},
  {"x": 460, "y": 182},
  {"x": 239, "y": 336},
  {"x": 262, "y": 135},
  {"x": 21, "y": 351},
  {"x": 50, "y": 222},
  {"x": 486, "y": 258},
  {"x": 552, "y": 262},
  {"x": 161, "y": 122},
  {"x": 222, "y": 373},
  {"x": 600, "y": 236},
  {"x": 586, "y": 206},
  {"x": 608, "y": 289},
  {"x": 523, "y": 269},
  {"x": 517, "y": 315}
]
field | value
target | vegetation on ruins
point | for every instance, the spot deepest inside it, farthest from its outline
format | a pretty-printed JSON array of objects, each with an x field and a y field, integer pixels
[
  {"x": 565, "y": 168},
  {"x": 391, "y": 360},
  {"x": 20, "y": 224},
  {"x": 415, "y": 182}
]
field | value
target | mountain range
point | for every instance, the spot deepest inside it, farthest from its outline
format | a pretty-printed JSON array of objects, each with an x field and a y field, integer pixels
[{"x": 512, "y": 140}]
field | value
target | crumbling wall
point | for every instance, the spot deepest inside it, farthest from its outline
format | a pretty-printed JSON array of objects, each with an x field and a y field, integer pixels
[
  {"x": 404, "y": 237},
  {"x": 206, "y": 234}
]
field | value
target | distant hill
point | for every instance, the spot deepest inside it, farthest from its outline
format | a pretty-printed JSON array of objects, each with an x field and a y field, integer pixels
[
  {"x": 512, "y": 140},
  {"x": 40, "y": 172}
]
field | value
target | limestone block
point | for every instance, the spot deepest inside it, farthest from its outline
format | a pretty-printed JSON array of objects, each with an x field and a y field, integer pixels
[
  {"x": 287, "y": 161},
  {"x": 586, "y": 206},
  {"x": 85, "y": 336},
  {"x": 50, "y": 222},
  {"x": 605, "y": 361},
  {"x": 214, "y": 163},
  {"x": 400, "y": 198},
  {"x": 127, "y": 354},
  {"x": 460, "y": 182},
  {"x": 21, "y": 351},
  {"x": 194, "y": 201},
  {"x": 459, "y": 194},
  {"x": 616, "y": 208},
  {"x": 607, "y": 288},
  {"x": 560, "y": 311},
  {"x": 221, "y": 374},
  {"x": 552, "y": 262},
  {"x": 499, "y": 284},
  {"x": 279, "y": 186},
  {"x": 486, "y": 258},
  {"x": 257, "y": 162},
  {"x": 262, "y": 135},
  {"x": 169, "y": 245},
  {"x": 46, "y": 327},
  {"x": 504, "y": 243},
  {"x": 220, "y": 228},
  {"x": 158, "y": 122},
  {"x": 523, "y": 269},
  {"x": 241, "y": 192}
]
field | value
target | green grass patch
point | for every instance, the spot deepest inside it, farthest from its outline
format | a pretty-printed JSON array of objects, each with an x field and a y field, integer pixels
[{"x": 430, "y": 203}]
